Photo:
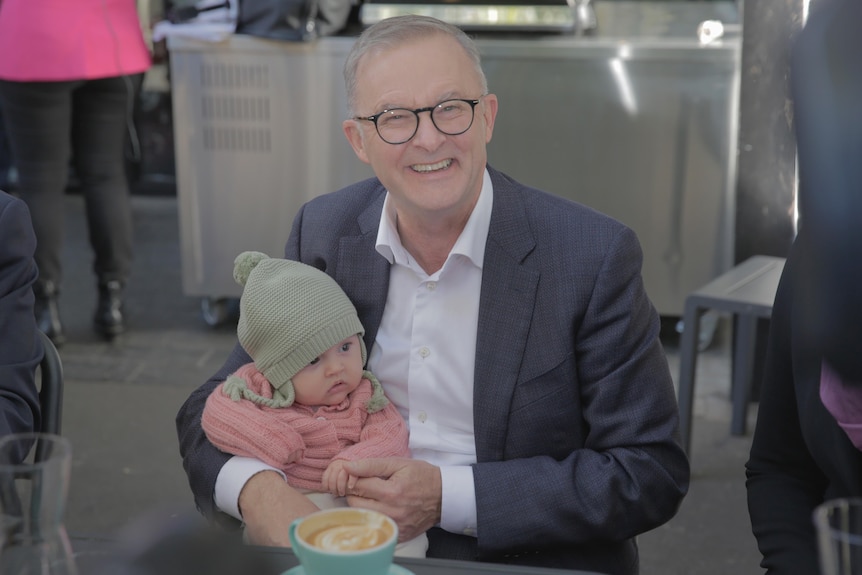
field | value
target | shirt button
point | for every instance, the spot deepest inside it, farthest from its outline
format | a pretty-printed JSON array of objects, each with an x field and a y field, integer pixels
[
  {"x": 422, "y": 417},
  {"x": 431, "y": 286},
  {"x": 424, "y": 352},
  {"x": 321, "y": 418}
]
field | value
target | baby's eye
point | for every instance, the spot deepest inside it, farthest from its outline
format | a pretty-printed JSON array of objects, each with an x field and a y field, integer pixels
[
  {"x": 315, "y": 360},
  {"x": 345, "y": 346}
]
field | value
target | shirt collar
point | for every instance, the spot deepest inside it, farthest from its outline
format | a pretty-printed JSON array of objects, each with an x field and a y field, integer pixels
[{"x": 471, "y": 242}]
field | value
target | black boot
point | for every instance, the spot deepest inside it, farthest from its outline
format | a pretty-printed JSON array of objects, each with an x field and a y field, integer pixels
[
  {"x": 47, "y": 311},
  {"x": 109, "y": 320}
]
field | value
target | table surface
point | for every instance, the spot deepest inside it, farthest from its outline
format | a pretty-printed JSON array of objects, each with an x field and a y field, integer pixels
[{"x": 208, "y": 554}]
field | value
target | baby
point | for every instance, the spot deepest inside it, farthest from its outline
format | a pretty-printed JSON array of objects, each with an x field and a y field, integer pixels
[{"x": 305, "y": 405}]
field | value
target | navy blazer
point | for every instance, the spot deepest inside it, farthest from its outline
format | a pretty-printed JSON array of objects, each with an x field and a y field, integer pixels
[
  {"x": 20, "y": 345},
  {"x": 574, "y": 408}
]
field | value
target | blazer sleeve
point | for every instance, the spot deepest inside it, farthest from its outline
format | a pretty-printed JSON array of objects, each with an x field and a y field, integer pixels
[
  {"x": 202, "y": 460},
  {"x": 20, "y": 346}
]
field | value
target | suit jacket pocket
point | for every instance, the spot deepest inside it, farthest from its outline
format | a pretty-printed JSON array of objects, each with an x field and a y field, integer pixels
[{"x": 545, "y": 414}]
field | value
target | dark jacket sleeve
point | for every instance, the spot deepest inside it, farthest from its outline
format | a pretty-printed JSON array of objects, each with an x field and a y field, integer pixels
[
  {"x": 201, "y": 459},
  {"x": 784, "y": 482},
  {"x": 20, "y": 347}
]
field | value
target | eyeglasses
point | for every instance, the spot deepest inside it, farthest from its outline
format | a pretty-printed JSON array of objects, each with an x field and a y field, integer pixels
[{"x": 399, "y": 125}]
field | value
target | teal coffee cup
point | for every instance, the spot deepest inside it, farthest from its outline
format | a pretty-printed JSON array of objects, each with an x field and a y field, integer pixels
[{"x": 344, "y": 541}]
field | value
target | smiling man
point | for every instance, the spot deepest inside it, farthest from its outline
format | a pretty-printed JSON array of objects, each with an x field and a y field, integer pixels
[{"x": 510, "y": 327}]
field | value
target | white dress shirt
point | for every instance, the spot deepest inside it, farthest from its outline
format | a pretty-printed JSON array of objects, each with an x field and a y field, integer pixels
[{"x": 424, "y": 356}]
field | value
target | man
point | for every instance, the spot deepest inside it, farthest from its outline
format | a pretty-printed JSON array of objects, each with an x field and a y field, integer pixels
[
  {"x": 509, "y": 326},
  {"x": 20, "y": 345}
]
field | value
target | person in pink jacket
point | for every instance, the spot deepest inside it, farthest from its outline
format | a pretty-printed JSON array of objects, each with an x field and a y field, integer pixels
[
  {"x": 305, "y": 405},
  {"x": 69, "y": 74}
]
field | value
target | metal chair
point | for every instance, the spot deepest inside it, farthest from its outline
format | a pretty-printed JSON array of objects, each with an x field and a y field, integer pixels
[{"x": 51, "y": 388}]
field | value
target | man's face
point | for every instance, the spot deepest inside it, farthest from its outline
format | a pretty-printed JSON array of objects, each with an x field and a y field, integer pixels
[{"x": 432, "y": 175}]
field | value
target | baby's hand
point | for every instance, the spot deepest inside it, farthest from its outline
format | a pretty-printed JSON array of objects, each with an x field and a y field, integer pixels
[{"x": 335, "y": 479}]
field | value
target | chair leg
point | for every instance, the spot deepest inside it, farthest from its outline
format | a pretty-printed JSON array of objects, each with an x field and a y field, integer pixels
[
  {"x": 687, "y": 365},
  {"x": 743, "y": 371}
]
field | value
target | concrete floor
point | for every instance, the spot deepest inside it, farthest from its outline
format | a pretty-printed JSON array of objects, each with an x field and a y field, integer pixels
[{"x": 121, "y": 399}]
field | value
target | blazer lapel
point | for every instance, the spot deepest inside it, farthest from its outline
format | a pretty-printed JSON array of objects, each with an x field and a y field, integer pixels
[
  {"x": 505, "y": 312},
  {"x": 363, "y": 273}
]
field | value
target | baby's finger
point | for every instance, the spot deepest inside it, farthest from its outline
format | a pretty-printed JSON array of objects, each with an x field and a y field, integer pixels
[{"x": 342, "y": 483}]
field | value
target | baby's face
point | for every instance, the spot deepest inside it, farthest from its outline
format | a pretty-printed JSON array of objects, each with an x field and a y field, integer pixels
[{"x": 331, "y": 377}]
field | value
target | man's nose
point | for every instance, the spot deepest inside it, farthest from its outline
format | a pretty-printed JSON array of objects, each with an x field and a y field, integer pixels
[{"x": 427, "y": 134}]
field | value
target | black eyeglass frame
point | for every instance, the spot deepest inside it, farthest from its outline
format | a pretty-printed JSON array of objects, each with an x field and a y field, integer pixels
[{"x": 430, "y": 109}]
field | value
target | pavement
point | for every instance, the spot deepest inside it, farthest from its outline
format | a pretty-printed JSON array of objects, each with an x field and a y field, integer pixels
[{"x": 121, "y": 399}]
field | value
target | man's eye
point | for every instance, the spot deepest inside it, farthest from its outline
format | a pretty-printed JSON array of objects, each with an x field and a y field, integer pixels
[{"x": 393, "y": 117}]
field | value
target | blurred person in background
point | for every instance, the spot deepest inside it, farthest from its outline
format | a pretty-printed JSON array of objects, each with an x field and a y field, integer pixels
[
  {"x": 69, "y": 73},
  {"x": 806, "y": 446},
  {"x": 20, "y": 346}
]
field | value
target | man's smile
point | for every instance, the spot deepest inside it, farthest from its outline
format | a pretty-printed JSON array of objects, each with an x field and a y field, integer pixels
[{"x": 431, "y": 167}]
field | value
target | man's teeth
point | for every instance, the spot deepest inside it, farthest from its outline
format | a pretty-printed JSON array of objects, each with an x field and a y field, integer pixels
[{"x": 431, "y": 167}]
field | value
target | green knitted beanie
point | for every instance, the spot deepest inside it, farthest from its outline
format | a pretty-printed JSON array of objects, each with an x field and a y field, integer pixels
[{"x": 290, "y": 313}]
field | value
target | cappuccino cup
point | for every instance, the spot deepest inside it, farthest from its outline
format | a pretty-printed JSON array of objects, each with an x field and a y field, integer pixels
[{"x": 344, "y": 541}]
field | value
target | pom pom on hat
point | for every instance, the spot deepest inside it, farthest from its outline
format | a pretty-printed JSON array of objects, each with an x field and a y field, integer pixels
[
  {"x": 290, "y": 313},
  {"x": 244, "y": 264}
]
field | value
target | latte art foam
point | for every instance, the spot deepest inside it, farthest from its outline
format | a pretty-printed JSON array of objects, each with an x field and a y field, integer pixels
[{"x": 348, "y": 537}]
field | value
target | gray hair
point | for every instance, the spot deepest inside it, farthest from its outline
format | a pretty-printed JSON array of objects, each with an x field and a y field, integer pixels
[{"x": 397, "y": 30}]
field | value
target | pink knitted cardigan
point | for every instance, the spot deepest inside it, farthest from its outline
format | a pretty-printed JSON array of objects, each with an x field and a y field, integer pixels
[{"x": 299, "y": 440}]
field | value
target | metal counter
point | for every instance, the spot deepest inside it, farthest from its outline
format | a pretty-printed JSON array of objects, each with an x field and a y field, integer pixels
[{"x": 639, "y": 123}]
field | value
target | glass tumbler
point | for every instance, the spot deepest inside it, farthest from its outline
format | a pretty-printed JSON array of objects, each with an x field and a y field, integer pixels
[
  {"x": 34, "y": 484},
  {"x": 839, "y": 536}
]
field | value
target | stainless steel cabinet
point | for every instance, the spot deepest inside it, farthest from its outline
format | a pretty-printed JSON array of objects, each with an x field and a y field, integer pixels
[{"x": 257, "y": 130}]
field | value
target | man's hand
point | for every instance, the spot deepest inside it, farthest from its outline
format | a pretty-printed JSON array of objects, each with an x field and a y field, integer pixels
[
  {"x": 407, "y": 490},
  {"x": 268, "y": 506}
]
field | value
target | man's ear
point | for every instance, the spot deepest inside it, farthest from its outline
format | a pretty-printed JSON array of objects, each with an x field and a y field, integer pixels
[
  {"x": 489, "y": 112},
  {"x": 353, "y": 133}
]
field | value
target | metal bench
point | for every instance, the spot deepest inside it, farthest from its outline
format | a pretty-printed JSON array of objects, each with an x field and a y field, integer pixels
[{"x": 746, "y": 291}]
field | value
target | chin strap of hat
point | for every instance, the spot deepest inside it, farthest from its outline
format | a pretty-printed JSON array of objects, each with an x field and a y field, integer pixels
[
  {"x": 235, "y": 388},
  {"x": 378, "y": 400}
]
